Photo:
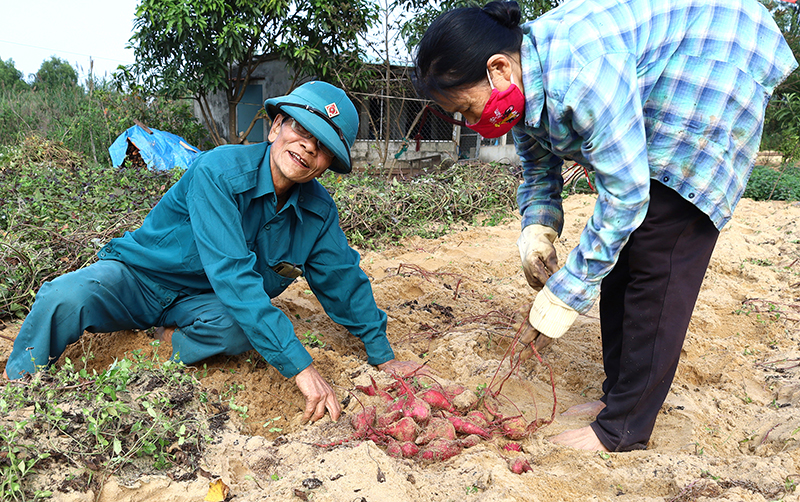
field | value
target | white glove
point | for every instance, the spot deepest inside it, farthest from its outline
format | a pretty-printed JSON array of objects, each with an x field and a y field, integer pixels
[
  {"x": 538, "y": 254},
  {"x": 549, "y": 315}
]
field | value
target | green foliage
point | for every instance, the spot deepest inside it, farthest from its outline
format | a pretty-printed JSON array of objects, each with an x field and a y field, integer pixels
[
  {"x": 425, "y": 12},
  {"x": 56, "y": 73},
  {"x": 18, "y": 463},
  {"x": 89, "y": 122},
  {"x": 310, "y": 339},
  {"x": 374, "y": 212},
  {"x": 56, "y": 209},
  {"x": 782, "y": 126},
  {"x": 137, "y": 417},
  {"x": 768, "y": 184},
  {"x": 10, "y": 78},
  {"x": 198, "y": 47}
]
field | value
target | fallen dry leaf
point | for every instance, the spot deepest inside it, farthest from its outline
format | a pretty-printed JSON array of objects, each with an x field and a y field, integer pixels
[{"x": 217, "y": 491}]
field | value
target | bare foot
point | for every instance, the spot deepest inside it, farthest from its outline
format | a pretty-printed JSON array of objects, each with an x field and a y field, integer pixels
[
  {"x": 585, "y": 409},
  {"x": 5, "y": 374},
  {"x": 164, "y": 333},
  {"x": 582, "y": 439}
]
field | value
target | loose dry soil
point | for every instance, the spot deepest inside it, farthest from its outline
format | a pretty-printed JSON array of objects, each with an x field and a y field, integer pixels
[{"x": 728, "y": 430}]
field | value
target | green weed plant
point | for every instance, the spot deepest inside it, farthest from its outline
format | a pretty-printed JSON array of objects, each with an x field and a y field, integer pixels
[{"x": 139, "y": 416}]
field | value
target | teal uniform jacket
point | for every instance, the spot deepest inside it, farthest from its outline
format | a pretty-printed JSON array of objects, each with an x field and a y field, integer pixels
[{"x": 218, "y": 229}]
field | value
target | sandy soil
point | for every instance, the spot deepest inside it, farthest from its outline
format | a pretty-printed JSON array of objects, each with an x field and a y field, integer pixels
[{"x": 728, "y": 430}]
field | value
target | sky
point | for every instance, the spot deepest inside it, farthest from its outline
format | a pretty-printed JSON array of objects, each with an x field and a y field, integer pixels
[{"x": 77, "y": 31}]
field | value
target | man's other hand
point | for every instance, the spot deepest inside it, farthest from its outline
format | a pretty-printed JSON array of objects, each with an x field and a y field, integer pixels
[{"x": 319, "y": 395}]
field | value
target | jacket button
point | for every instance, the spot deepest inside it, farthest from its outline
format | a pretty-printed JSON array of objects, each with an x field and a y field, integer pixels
[
  {"x": 280, "y": 367},
  {"x": 691, "y": 196},
  {"x": 666, "y": 178}
]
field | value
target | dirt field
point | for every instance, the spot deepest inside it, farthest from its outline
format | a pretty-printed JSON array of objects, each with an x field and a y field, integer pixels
[{"x": 728, "y": 431}]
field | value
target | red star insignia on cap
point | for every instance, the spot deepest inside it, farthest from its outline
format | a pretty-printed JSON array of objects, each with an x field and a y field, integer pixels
[{"x": 332, "y": 110}]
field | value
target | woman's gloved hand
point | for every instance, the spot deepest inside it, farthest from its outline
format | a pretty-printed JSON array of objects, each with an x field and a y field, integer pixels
[
  {"x": 531, "y": 337},
  {"x": 538, "y": 254}
]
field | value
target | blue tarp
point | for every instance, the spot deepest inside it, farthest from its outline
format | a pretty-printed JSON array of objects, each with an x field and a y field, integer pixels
[{"x": 160, "y": 150}]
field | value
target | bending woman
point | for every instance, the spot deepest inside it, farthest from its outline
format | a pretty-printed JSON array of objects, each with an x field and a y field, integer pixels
[{"x": 665, "y": 102}]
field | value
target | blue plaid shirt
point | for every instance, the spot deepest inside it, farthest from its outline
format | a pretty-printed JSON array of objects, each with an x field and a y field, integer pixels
[{"x": 641, "y": 90}]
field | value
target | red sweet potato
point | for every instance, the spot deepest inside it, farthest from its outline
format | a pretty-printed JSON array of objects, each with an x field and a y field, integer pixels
[
  {"x": 467, "y": 426},
  {"x": 514, "y": 427},
  {"x": 401, "y": 449},
  {"x": 396, "y": 403},
  {"x": 388, "y": 419},
  {"x": 436, "y": 399},
  {"x": 512, "y": 447},
  {"x": 453, "y": 390},
  {"x": 519, "y": 465},
  {"x": 363, "y": 421},
  {"x": 440, "y": 449},
  {"x": 417, "y": 409},
  {"x": 404, "y": 429},
  {"x": 436, "y": 428},
  {"x": 470, "y": 441},
  {"x": 478, "y": 418},
  {"x": 370, "y": 390},
  {"x": 393, "y": 449}
]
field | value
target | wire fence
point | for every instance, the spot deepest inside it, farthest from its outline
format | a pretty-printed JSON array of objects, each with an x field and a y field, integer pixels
[
  {"x": 405, "y": 118},
  {"x": 400, "y": 118}
]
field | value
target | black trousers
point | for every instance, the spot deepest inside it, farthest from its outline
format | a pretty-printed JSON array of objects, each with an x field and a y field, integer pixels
[{"x": 646, "y": 303}]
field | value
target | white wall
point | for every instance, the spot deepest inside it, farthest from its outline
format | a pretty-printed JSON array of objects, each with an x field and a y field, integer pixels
[
  {"x": 505, "y": 154},
  {"x": 365, "y": 152}
]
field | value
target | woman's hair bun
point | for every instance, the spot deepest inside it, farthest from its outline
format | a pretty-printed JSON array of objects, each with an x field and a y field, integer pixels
[{"x": 505, "y": 13}]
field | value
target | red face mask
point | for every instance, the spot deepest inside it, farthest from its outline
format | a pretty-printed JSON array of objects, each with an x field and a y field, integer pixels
[{"x": 502, "y": 111}]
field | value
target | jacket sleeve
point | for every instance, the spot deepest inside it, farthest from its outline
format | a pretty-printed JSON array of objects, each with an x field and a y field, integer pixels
[{"x": 344, "y": 290}]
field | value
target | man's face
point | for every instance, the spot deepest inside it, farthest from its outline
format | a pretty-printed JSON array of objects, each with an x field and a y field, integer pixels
[{"x": 295, "y": 155}]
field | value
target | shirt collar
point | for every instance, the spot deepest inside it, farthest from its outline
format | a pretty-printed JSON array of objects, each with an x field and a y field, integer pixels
[{"x": 531, "y": 79}]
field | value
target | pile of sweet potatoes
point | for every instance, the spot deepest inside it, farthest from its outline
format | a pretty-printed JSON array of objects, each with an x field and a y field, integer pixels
[{"x": 430, "y": 422}]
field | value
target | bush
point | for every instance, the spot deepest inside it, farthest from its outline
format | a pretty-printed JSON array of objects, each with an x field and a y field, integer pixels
[
  {"x": 88, "y": 123},
  {"x": 56, "y": 209},
  {"x": 768, "y": 184},
  {"x": 375, "y": 212}
]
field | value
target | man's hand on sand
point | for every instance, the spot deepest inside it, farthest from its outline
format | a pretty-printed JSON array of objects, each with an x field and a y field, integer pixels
[{"x": 319, "y": 395}]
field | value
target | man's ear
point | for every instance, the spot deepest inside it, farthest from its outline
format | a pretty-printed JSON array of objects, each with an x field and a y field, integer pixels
[{"x": 275, "y": 128}]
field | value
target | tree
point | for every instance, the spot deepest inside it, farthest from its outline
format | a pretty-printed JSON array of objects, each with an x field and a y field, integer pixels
[
  {"x": 10, "y": 77},
  {"x": 787, "y": 17},
  {"x": 425, "y": 12},
  {"x": 194, "y": 48},
  {"x": 55, "y": 73}
]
